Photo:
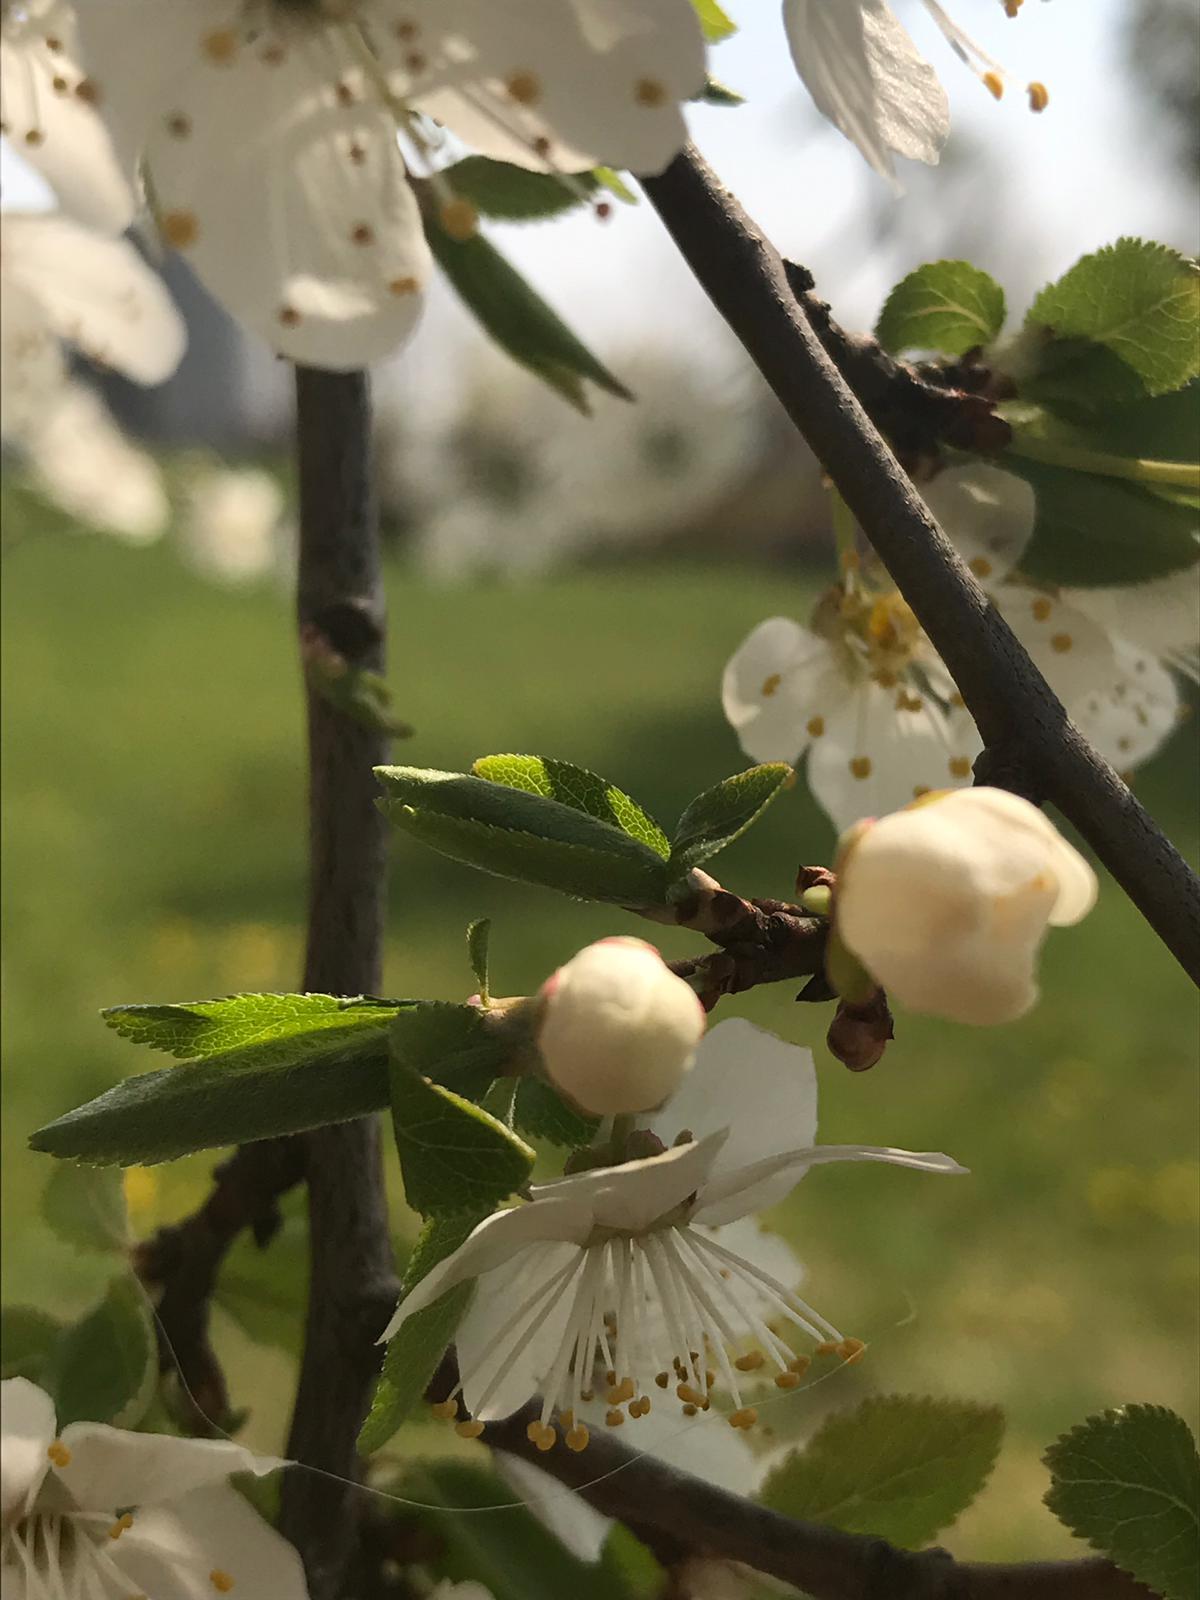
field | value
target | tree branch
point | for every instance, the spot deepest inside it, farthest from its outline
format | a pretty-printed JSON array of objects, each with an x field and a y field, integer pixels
[
  {"x": 647, "y": 1494},
  {"x": 352, "y": 1285},
  {"x": 1032, "y": 745}
]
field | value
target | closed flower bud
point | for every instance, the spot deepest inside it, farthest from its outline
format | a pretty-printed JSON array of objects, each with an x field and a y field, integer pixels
[
  {"x": 618, "y": 1029},
  {"x": 946, "y": 902}
]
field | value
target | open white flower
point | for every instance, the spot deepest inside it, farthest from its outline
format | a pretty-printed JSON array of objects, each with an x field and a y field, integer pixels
[
  {"x": 946, "y": 903},
  {"x": 863, "y": 690},
  {"x": 96, "y": 1511},
  {"x": 60, "y": 283},
  {"x": 232, "y": 525},
  {"x": 866, "y": 75},
  {"x": 618, "y": 1030},
  {"x": 50, "y": 115},
  {"x": 79, "y": 458},
  {"x": 613, "y": 1269},
  {"x": 268, "y": 131}
]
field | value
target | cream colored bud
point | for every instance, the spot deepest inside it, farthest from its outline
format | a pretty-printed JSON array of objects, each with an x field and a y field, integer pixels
[
  {"x": 947, "y": 902},
  {"x": 618, "y": 1029}
]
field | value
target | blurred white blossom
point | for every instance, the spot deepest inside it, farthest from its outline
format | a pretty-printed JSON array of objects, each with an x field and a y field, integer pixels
[
  {"x": 268, "y": 134},
  {"x": 233, "y": 528}
]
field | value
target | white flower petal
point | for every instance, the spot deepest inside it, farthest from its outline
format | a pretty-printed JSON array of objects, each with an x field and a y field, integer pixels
[
  {"x": 80, "y": 458},
  {"x": 781, "y": 677},
  {"x": 27, "y": 1429},
  {"x": 1130, "y": 717},
  {"x": 912, "y": 112},
  {"x": 171, "y": 1551},
  {"x": 637, "y": 1193},
  {"x": 759, "y": 1087},
  {"x": 503, "y": 1362},
  {"x": 1071, "y": 651},
  {"x": 563, "y": 1217},
  {"x": 987, "y": 514},
  {"x": 1161, "y": 617},
  {"x": 32, "y": 367},
  {"x": 885, "y": 747},
  {"x": 112, "y": 1467},
  {"x": 567, "y": 1515},
  {"x": 97, "y": 293},
  {"x": 568, "y": 84},
  {"x": 55, "y": 128},
  {"x": 764, "y": 1183}
]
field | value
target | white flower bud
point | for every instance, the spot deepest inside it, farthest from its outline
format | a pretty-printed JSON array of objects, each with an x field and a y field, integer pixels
[
  {"x": 618, "y": 1029},
  {"x": 947, "y": 902}
]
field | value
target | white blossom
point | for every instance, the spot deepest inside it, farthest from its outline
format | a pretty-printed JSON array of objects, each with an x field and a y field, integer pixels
[
  {"x": 612, "y": 1269},
  {"x": 268, "y": 131},
  {"x": 50, "y": 114},
  {"x": 96, "y": 1511},
  {"x": 946, "y": 903},
  {"x": 865, "y": 74},
  {"x": 62, "y": 283},
  {"x": 78, "y": 457},
  {"x": 232, "y": 524},
  {"x": 618, "y": 1030}
]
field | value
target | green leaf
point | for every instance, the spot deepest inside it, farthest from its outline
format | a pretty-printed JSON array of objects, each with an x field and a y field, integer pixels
[
  {"x": 478, "y": 936},
  {"x": 515, "y": 194},
  {"x": 27, "y": 1338},
  {"x": 949, "y": 306},
  {"x": 455, "y": 1045},
  {"x": 716, "y": 93},
  {"x": 1139, "y": 300},
  {"x": 517, "y": 317},
  {"x": 262, "y": 1286},
  {"x": 515, "y": 834},
  {"x": 454, "y": 1155},
  {"x": 85, "y": 1207},
  {"x": 231, "y": 1098},
  {"x": 1128, "y": 1481},
  {"x": 714, "y": 21},
  {"x": 722, "y": 814},
  {"x": 104, "y": 1367},
  {"x": 1093, "y": 530},
  {"x": 1162, "y": 427},
  {"x": 543, "y": 1114},
  {"x": 616, "y": 185},
  {"x": 266, "y": 1022},
  {"x": 578, "y": 788},
  {"x": 411, "y": 1357},
  {"x": 900, "y": 1467}
]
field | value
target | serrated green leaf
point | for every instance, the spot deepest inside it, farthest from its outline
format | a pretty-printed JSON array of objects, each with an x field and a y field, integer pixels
[
  {"x": 714, "y": 22},
  {"x": 1163, "y": 427},
  {"x": 722, "y": 814},
  {"x": 267, "y": 1023},
  {"x": 515, "y": 834},
  {"x": 948, "y": 306},
  {"x": 411, "y": 1357},
  {"x": 453, "y": 1044},
  {"x": 517, "y": 317},
  {"x": 27, "y": 1338},
  {"x": 515, "y": 194},
  {"x": 1128, "y": 1481},
  {"x": 543, "y": 1114},
  {"x": 454, "y": 1155},
  {"x": 576, "y": 787},
  {"x": 85, "y": 1207},
  {"x": 899, "y": 1467},
  {"x": 262, "y": 1287},
  {"x": 478, "y": 936},
  {"x": 1080, "y": 380},
  {"x": 104, "y": 1368},
  {"x": 232, "y": 1098},
  {"x": 1137, "y": 299},
  {"x": 1094, "y": 531}
]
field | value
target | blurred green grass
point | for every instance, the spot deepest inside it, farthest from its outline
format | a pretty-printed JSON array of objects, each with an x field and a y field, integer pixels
[{"x": 153, "y": 851}]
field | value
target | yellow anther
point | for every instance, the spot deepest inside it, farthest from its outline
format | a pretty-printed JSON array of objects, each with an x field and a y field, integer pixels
[
  {"x": 688, "y": 1394},
  {"x": 750, "y": 1362},
  {"x": 614, "y": 1418},
  {"x": 960, "y": 766},
  {"x": 827, "y": 1347},
  {"x": 745, "y": 1418},
  {"x": 179, "y": 228},
  {"x": 221, "y": 1581},
  {"x": 460, "y": 219},
  {"x": 690, "y": 1410},
  {"x": 619, "y": 1393},
  {"x": 1039, "y": 96},
  {"x": 524, "y": 87},
  {"x": 981, "y": 567},
  {"x": 860, "y": 766},
  {"x": 799, "y": 1365},
  {"x": 445, "y": 1408},
  {"x": 220, "y": 46},
  {"x": 468, "y": 1430},
  {"x": 577, "y": 1438},
  {"x": 649, "y": 92},
  {"x": 851, "y": 1350},
  {"x": 994, "y": 84},
  {"x": 770, "y": 684},
  {"x": 59, "y": 1453},
  {"x": 787, "y": 1380},
  {"x": 587, "y": 1394},
  {"x": 546, "y": 1439},
  {"x": 921, "y": 789},
  {"x": 815, "y": 727},
  {"x": 710, "y": 1378},
  {"x": 1011, "y": 7},
  {"x": 566, "y": 1419},
  {"x": 662, "y": 1379},
  {"x": 1041, "y": 608},
  {"x": 533, "y": 1431},
  {"x": 1061, "y": 643}
]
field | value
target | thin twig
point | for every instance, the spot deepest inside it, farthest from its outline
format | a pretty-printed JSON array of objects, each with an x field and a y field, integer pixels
[{"x": 1032, "y": 746}]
